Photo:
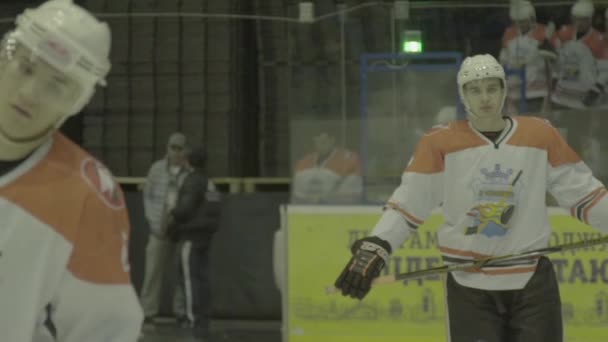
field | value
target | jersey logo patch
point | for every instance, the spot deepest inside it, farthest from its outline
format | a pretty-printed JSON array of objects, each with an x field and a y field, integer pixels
[{"x": 101, "y": 180}]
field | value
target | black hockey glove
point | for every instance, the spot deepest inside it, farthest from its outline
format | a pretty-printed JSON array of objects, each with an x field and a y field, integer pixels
[
  {"x": 370, "y": 255},
  {"x": 593, "y": 95}
]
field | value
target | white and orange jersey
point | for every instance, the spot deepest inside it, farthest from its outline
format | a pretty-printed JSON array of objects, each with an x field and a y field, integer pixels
[
  {"x": 492, "y": 195},
  {"x": 577, "y": 68},
  {"x": 602, "y": 66},
  {"x": 521, "y": 50},
  {"x": 337, "y": 178},
  {"x": 64, "y": 234}
]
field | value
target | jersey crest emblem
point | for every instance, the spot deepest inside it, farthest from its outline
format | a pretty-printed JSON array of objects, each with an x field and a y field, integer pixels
[{"x": 100, "y": 179}]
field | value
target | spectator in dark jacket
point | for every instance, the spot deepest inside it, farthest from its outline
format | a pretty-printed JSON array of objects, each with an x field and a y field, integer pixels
[{"x": 195, "y": 219}]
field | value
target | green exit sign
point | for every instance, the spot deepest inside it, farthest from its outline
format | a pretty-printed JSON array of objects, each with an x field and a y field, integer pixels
[{"x": 411, "y": 41}]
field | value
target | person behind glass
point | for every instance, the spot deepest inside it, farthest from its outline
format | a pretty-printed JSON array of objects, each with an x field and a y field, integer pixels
[
  {"x": 193, "y": 222},
  {"x": 525, "y": 45},
  {"x": 160, "y": 194},
  {"x": 329, "y": 174},
  {"x": 579, "y": 46}
]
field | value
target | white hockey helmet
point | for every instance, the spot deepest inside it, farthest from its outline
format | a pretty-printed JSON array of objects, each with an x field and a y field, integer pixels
[
  {"x": 446, "y": 115},
  {"x": 476, "y": 68},
  {"x": 582, "y": 9},
  {"x": 522, "y": 10},
  {"x": 71, "y": 40}
]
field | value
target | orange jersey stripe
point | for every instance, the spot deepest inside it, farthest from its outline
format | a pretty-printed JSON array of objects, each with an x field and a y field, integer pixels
[
  {"x": 341, "y": 161},
  {"x": 454, "y": 251},
  {"x": 538, "y": 133},
  {"x": 583, "y": 200},
  {"x": 600, "y": 195},
  {"x": 440, "y": 141},
  {"x": 56, "y": 193},
  {"x": 402, "y": 211}
]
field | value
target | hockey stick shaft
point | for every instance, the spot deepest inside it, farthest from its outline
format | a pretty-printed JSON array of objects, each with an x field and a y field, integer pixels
[
  {"x": 477, "y": 264},
  {"x": 500, "y": 259}
]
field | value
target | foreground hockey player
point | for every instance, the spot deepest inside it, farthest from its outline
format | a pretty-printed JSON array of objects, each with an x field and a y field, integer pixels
[
  {"x": 64, "y": 272},
  {"x": 490, "y": 174}
]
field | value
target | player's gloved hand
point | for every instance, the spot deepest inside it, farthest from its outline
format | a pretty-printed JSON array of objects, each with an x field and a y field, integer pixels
[
  {"x": 370, "y": 255},
  {"x": 592, "y": 96}
]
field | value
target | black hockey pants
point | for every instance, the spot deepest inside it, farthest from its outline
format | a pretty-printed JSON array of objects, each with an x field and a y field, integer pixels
[{"x": 532, "y": 314}]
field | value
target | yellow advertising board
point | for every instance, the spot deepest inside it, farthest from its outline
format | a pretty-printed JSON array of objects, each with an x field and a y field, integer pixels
[{"x": 318, "y": 238}]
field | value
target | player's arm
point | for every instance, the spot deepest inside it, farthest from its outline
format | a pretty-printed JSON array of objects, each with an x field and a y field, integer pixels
[
  {"x": 350, "y": 188},
  {"x": 573, "y": 185},
  {"x": 148, "y": 190},
  {"x": 95, "y": 300},
  {"x": 301, "y": 183},
  {"x": 411, "y": 203}
]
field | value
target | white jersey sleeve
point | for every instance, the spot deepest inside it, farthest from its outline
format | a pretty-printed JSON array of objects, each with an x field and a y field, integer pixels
[
  {"x": 419, "y": 193},
  {"x": 572, "y": 183}
]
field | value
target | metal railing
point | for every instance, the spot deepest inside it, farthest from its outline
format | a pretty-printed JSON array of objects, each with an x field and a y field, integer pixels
[{"x": 233, "y": 185}]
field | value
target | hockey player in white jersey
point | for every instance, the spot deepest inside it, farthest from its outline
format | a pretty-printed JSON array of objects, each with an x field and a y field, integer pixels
[
  {"x": 525, "y": 45},
  {"x": 579, "y": 46},
  {"x": 490, "y": 174},
  {"x": 64, "y": 229}
]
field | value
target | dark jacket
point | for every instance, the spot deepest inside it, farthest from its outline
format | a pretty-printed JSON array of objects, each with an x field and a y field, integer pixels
[{"x": 197, "y": 212}]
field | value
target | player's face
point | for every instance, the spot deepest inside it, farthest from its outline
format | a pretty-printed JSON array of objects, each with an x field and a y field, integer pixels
[
  {"x": 484, "y": 97},
  {"x": 34, "y": 96},
  {"x": 324, "y": 143},
  {"x": 176, "y": 154},
  {"x": 524, "y": 25},
  {"x": 582, "y": 24}
]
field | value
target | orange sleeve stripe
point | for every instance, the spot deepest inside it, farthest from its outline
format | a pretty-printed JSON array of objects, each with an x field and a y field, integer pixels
[
  {"x": 508, "y": 36},
  {"x": 305, "y": 163},
  {"x": 439, "y": 142},
  {"x": 600, "y": 195},
  {"x": 583, "y": 200},
  {"x": 403, "y": 212},
  {"x": 539, "y": 33},
  {"x": 595, "y": 42},
  {"x": 459, "y": 252},
  {"x": 529, "y": 133}
]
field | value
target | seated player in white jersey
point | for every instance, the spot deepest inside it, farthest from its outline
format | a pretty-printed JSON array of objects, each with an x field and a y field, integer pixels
[
  {"x": 328, "y": 175},
  {"x": 525, "y": 45},
  {"x": 64, "y": 229},
  {"x": 478, "y": 170}
]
